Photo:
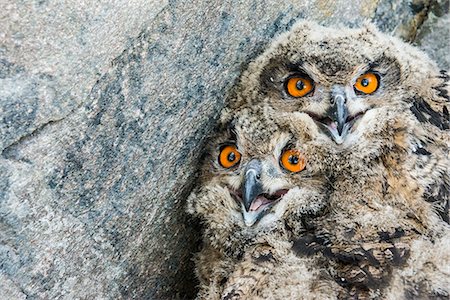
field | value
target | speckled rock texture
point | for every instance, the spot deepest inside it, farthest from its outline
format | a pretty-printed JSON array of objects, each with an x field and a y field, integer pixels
[
  {"x": 434, "y": 35},
  {"x": 104, "y": 109}
]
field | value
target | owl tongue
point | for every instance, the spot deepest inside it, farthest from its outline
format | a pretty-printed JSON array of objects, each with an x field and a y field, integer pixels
[{"x": 258, "y": 202}]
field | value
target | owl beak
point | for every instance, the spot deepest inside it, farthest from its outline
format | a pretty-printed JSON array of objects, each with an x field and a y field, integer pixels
[
  {"x": 252, "y": 186},
  {"x": 251, "y": 189},
  {"x": 256, "y": 204},
  {"x": 338, "y": 114}
]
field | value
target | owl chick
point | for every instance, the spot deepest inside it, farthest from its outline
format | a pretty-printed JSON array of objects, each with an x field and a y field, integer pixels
[
  {"x": 256, "y": 187},
  {"x": 375, "y": 111}
]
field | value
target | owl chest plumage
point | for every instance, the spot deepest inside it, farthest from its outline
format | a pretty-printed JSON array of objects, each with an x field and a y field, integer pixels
[{"x": 376, "y": 214}]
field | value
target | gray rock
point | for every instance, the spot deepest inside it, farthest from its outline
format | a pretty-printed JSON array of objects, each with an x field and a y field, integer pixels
[
  {"x": 434, "y": 34},
  {"x": 104, "y": 109},
  {"x": 401, "y": 18},
  {"x": 53, "y": 52}
]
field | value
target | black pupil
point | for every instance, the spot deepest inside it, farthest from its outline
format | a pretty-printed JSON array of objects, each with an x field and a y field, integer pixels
[
  {"x": 231, "y": 157},
  {"x": 300, "y": 85},
  {"x": 293, "y": 159},
  {"x": 365, "y": 82}
]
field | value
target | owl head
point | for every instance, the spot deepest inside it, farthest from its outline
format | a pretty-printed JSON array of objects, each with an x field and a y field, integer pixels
[
  {"x": 349, "y": 90},
  {"x": 256, "y": 180}
]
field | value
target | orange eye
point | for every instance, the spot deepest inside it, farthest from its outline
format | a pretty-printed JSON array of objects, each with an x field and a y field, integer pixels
[
  {"x": 299, "y": 86},
  {"x": 367, "y": 83},
  {"x": 293, "y": 161},
  {"x": 229, "y": 156}
]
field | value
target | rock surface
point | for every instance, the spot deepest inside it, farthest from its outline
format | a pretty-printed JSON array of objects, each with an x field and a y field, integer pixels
[
  {"x": 434, "y": 34},
  {"x": 104, "y": 108}
]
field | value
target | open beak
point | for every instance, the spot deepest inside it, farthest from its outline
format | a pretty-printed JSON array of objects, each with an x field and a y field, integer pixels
[
  {"x": 337, "y": 122},
  {"x": 338, "y": 113},
  {"x": 255, "y": 202},
  {"x": 251, "y": 188}
]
